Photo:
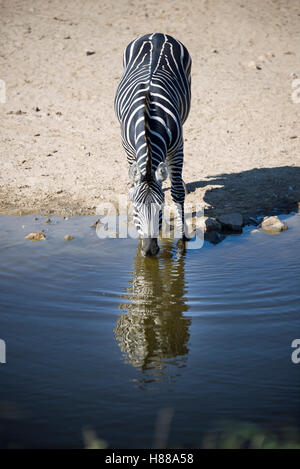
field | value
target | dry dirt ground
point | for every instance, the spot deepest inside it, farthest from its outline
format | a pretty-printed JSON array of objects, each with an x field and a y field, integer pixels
[{"x": 60, "y": 141}]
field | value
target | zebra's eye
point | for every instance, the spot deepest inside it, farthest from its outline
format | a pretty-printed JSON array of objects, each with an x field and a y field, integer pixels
[
  {"x": 161, "y": 173},
  {"x": 135, "y": 173}
]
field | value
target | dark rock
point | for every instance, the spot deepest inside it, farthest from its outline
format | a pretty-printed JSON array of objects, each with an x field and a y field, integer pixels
[
  {"x": 211, "y": 224},
  {"x": 213, "y": 237},
  {"x": 231, "y": 222},
  {"x": 250, "y": 221}
]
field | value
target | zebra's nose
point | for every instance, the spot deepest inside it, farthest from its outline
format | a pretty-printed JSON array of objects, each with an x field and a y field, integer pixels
[{"x": 149, "y": 247}]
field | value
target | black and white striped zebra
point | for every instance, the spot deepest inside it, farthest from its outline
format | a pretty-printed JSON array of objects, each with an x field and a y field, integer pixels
[{"x": 152, "y": 103}]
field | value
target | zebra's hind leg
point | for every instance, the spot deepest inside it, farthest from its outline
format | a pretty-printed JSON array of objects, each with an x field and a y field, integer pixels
[{"x": 133, "y": 174}]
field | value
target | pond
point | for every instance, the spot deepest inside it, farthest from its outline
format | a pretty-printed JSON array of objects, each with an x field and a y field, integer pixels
[{"x": 145, "y": 352}]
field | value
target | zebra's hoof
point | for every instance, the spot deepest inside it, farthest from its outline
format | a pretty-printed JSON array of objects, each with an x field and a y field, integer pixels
[{"x": 181, "y": 246}]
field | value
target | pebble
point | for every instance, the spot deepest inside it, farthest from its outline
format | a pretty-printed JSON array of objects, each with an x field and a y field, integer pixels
[
  {"x": 36, "y": 236},
  {"x": 68, "y": 238},
  {"x": 254, "y": 65},
  {"x": 273, "y": 225}
]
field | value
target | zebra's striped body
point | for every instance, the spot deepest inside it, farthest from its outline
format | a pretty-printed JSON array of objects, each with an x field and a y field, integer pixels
[{"x": 152, "y": 103}]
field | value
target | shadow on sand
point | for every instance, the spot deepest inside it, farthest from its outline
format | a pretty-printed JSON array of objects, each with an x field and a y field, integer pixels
[{"x": 259, "y": 191}]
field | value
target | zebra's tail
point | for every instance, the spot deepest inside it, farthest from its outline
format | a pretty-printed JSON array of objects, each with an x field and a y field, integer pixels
[{"x": 147, "y": 140}]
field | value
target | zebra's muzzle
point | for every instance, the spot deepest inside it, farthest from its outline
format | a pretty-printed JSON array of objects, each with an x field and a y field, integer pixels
[{"x": 150, "y": 247}]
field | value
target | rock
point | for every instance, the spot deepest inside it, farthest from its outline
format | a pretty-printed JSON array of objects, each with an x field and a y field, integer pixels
[
  {"x": 36, "y": 236},
  {"x": 211, "y": 224},
  {"x": 90, "y": 52},
  {"x": 213, "y": 237},
  {"x": 251, "y": 221},
  {"x": 254, "y": 231},
  {"x": 48, "y": 221},
  {"x": 68, "y": 238},
  {"x": 231, "y": 222},
  {"x": 273, "y": 225},
  {"x": 254, "y": 65}
]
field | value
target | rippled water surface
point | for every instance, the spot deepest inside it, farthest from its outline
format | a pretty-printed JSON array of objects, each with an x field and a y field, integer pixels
[{"x": 99, "y": 337}]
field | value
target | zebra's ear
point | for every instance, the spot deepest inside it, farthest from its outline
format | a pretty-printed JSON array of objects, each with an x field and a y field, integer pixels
[
  {"x": 161, "y": 173},
  {"x": 135, "y": 173}
]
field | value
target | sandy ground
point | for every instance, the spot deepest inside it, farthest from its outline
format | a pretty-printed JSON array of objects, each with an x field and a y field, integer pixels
[{"x": 60, "y": 141}]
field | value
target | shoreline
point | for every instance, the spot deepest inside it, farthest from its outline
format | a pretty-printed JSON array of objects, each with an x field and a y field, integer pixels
[{"x": 64, "y": 206}]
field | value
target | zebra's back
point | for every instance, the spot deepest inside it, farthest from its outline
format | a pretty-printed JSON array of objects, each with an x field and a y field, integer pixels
[{"x": 153, "y": 97}]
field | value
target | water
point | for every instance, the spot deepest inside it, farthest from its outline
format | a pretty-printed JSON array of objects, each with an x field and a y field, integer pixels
[{"x": 99, "y": 337}]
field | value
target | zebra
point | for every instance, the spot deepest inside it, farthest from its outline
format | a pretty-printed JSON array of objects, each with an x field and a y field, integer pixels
[{"x": 152, "y": 103}]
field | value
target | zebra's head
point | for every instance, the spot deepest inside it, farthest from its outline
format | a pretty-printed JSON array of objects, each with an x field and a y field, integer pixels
[{"x": 148, "y": 200}]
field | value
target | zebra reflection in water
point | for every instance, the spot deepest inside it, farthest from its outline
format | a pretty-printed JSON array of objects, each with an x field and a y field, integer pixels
[{"x": 153, "y": 332}]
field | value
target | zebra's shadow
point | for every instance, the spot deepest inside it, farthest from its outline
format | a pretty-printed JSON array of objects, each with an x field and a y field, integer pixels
[{"x": 256, "y": 192}]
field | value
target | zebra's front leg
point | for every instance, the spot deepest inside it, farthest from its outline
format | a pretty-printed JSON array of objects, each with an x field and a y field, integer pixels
[{"x": 178, "y": 194}]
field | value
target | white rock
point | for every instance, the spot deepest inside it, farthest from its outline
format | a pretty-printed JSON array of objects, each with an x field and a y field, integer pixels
[{"x": 273, "y": 225}]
